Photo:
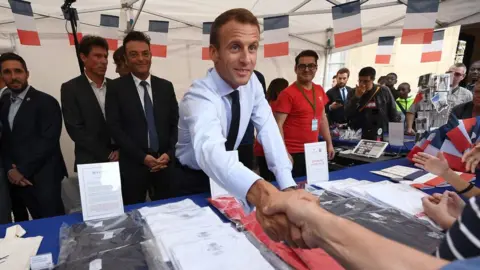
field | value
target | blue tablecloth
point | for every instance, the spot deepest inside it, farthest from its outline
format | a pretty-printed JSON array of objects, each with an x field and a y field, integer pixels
[{"x": 49, "y": 227}]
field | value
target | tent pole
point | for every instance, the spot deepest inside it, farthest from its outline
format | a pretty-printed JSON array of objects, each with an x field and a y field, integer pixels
[
  {"x": 138, "y": 15},
  {"x": 327, "y": 50}
]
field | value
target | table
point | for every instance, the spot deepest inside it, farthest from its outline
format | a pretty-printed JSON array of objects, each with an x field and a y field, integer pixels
[
  {"x": 49, "y": 227},
  {"x": 408, "y": 145}
]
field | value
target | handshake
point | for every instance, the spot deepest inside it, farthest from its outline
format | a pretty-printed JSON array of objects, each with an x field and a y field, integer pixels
[{"x": 286, "y": 216}]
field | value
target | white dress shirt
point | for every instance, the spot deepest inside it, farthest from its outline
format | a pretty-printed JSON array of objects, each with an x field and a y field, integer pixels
[
  {"x": 141, "y": 93},
  {"x": 205, "y": 113},
  {"x": 100, "y": 92},
  {"x": 16, "y": 102}
]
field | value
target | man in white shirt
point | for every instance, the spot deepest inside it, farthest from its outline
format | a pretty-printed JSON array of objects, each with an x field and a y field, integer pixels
[
  {"x": 83, "y": 105},
  {"x": 214, "y": 115}
]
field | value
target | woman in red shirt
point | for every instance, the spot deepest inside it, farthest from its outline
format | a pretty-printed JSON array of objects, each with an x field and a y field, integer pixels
[{"x": 274, "y": 89}]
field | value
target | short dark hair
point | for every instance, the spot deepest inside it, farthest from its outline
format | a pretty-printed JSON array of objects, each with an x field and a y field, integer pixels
[
  {"x": 12, "y": 57},
  {"x": 367, "y": 71},
  {"x": 276, "y": 86},
  {"x": 90, "y": 41},
  {"x": 136, "y": 36},
  {"x": 334, "y": 77},
  {"x": 241, "y": 15},
  {"x": 404, "y": 84},
  {"x": 382, "y": 79},
  {"x": 118, "y": 55},
  {"x": 306, "y": 53},
  {"x": 344, "y": 70},
  {"x": 394, "y": 74}
]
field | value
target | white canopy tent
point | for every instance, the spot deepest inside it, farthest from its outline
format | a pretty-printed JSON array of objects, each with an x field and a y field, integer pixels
[{"x": 310, "y": 27}]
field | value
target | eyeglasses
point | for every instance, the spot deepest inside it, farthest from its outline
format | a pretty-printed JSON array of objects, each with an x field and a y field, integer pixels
[
  {"x": 456, "y": 74},
  {"x": 309, "y": 66}
]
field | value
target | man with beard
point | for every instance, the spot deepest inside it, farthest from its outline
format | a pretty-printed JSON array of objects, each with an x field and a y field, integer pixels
[
  {"x": 300, "y": 112},
  {"x": 32, "y": 123},
  {"x": 83, "y": 105},
  {"x": 473, "y": 75},
  {"x": 338, "y": 98}
]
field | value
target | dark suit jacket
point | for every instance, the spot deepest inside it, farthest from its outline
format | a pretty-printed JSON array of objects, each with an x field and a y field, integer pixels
[
  {"x": 34, "y": 143},
  {"x": 128, "y": 125},
  {"x": 338, "y": 115},
  {"x": 85, "y": 122}
]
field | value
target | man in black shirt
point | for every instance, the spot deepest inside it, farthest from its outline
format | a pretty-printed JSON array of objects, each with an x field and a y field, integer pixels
[
  {"x": 391, "y": 80},
  {"x": 370, "y": 106},
  {"x": 473, "y": 75}
]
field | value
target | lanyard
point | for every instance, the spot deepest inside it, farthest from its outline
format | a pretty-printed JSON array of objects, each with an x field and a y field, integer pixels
[{"x": 314, "y": 104}]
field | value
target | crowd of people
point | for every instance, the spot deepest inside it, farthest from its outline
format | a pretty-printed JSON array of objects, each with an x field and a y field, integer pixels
[{"x": 167, "y": 148}]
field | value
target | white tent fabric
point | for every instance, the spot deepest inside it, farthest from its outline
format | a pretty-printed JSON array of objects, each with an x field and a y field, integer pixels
[{"x": 310, "y": 26}]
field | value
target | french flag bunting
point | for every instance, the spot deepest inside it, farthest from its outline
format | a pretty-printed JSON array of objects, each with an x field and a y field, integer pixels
[
  {"x": 207, "y": 26},
  {"x": 158, "y": 31},
  {"x": 25, "y": 22},
  {"x": 384, "y": 50},
  {"x": 69, "y": 28},
  {"x": 433, "y": 52},
  {"x": 347, "y": 24},
  {"x": 109, "y": 27},
  {"x": 418, "y": 98},
  {"x": 276, "y": 30},
  {"x": 420, "y": 21}
]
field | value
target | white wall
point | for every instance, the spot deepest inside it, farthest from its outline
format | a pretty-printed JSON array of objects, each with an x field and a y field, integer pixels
[{"x": 55, "y": 62}]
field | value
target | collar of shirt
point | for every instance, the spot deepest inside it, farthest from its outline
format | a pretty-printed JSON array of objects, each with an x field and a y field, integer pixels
[
  {"x": 223, "y": 88},
  {"x": 22, "y": 95},
  {"x": 92, "y": 83},
  {"x": 138, "y": 81}
]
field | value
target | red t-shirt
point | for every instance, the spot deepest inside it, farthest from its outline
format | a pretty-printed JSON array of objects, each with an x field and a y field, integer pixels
[
  {"x": 257, "y": 147},
  {"x": 297, "y": 128}
]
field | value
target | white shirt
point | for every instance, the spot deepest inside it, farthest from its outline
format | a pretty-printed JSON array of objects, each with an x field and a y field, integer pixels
[
  {"x": 205, "y": 113},
  {"x": 141, "y": 93},
  {"x": 100, "y": 92}
]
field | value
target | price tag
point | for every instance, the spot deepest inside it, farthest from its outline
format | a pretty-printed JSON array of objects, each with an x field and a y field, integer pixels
[{"x": 40, "y": 262}]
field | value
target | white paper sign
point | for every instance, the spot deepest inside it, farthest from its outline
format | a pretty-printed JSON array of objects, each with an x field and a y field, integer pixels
[
  {"x": 100, "y": 190},
  {"x": 41, "y": 262},
  {"x": 396, "y": 133},
  {"x": 316, "y": 161},
  {"x": 215, "y": 189}
]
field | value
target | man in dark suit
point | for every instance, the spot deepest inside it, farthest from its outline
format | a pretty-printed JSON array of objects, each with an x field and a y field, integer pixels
[
  {"x": 142, "y": 114},
  {"x": 83, "y": 105},
  {"x": 338, "y": 98},
  {"x": 32, "y": 123}
]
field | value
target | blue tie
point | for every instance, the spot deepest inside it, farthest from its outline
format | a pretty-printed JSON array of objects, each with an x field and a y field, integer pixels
[
  {"x": 343, "y": 93},
  {"x": 148, "y": 107}
]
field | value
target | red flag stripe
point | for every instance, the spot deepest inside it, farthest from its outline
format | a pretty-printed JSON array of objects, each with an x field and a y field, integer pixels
[
  {"x": 72, "y": 41},
  {"x": 348, "y": 38},
  {"x": 454, "y": 162},
  {"x": 431, "y": 57},
  {"x": 28, "y": 37},
  {"x": 276, "y": 49},
  {"x": 112, "y": 44},
  {"x": 205, "y": 53},
  {"x": 418, "y": 98},
  {"x": 458, "y": 139},
  {"x": 417, "y": 36},
  {"x": 382, "y": 59},
  {"x": 158, "y": 50}
]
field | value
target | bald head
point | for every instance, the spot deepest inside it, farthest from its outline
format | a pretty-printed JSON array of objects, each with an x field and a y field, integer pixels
[{"x": 474, "y": 72}]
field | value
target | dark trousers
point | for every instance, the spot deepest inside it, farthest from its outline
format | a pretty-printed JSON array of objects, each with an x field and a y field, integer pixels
[
  {"x": 137, "y": 180},
  {"x": 189, "y": 181},
  {"x": 299, "y": 165},
  {"x": 265, "y": 173},
  {"x": 245, "y": 155},
  {"x": 5, "y": 203},
  {"x": 42, "y": 200}
]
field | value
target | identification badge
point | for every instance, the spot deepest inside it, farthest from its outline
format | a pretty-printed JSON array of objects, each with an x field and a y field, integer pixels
[{"x": 314, "y": 125}]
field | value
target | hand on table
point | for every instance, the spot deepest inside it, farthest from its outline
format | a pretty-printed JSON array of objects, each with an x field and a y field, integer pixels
[
  {"x": 440, "y": 212},
  {"x": 299, "y": 207},
  {"x": 472, "y": 158},
  {"x": 410, "y": 131},
  {"x": 455, "y": 203},
  {"x": 437, "y": 165}
]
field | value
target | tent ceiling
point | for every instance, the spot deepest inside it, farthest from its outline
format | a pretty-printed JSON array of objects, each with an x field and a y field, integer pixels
[{"x": 309, "y": 19}]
